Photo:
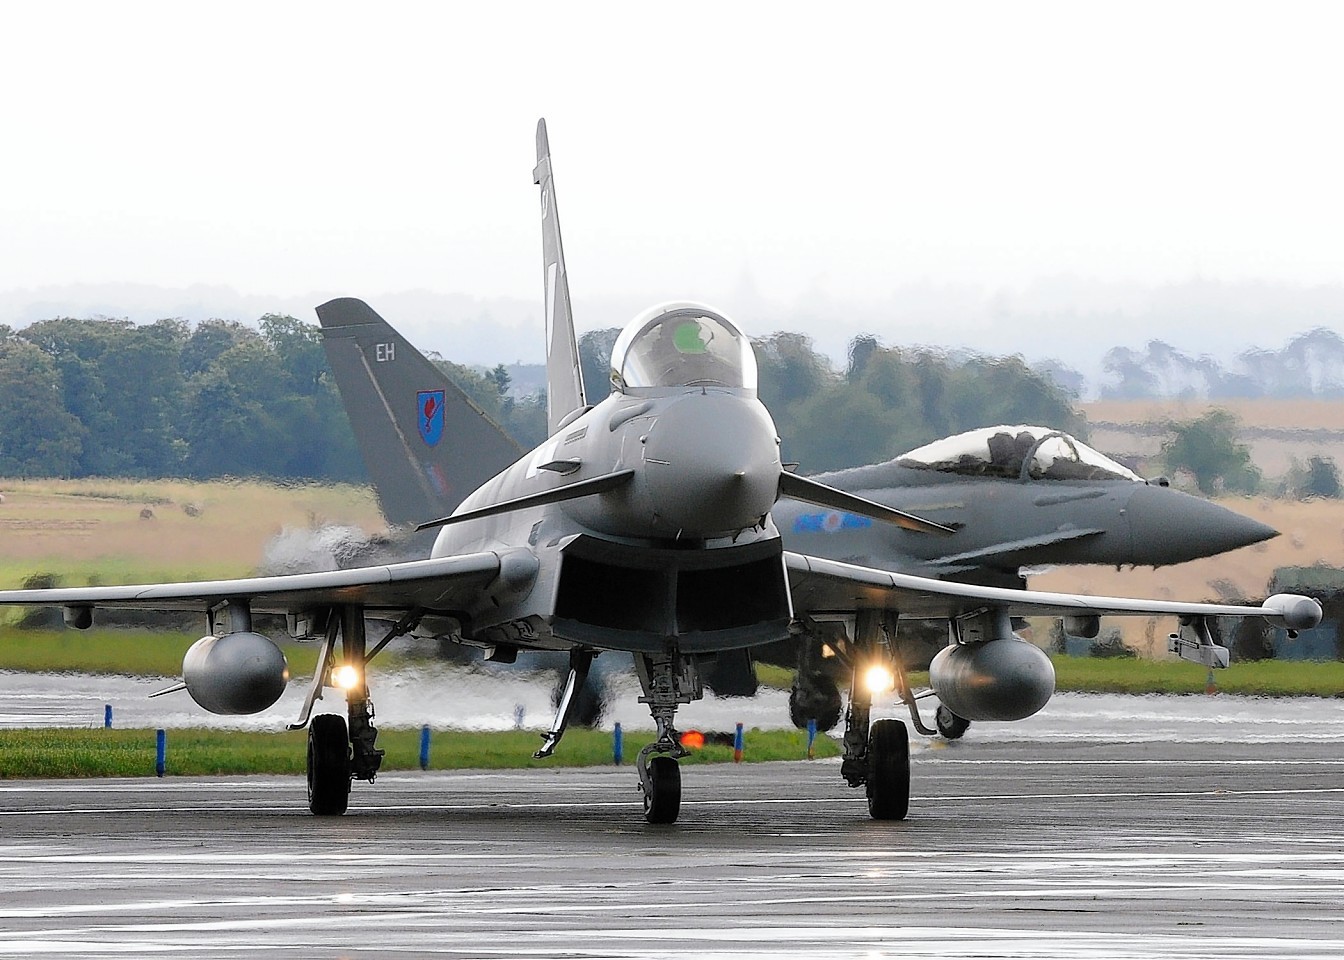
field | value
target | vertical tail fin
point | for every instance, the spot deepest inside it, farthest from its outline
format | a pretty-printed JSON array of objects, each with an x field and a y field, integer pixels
[
  {"x": 425, "y": 444},
  {"x": 564, "y": 378}
]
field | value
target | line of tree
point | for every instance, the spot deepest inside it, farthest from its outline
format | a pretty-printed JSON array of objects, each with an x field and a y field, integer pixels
[
  {"x": 98, "y": 397},
  {"x": 1209, "y": 449},
  {"x": 1310, "y": 364},
  {"x": 886, "y": 401},
  {"x": 112, "y": 398}
]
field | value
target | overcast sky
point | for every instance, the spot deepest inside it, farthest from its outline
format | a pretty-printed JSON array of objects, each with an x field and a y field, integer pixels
[{"x": 928, "y": 168}]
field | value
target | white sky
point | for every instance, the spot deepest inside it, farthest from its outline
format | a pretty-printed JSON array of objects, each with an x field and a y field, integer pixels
[{"x": 833, "y": 155}]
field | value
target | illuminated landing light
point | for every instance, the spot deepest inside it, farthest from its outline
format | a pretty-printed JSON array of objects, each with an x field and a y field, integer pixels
[
  {"x": 346, "y": 677},
  {"x": 878, "y": 679}
]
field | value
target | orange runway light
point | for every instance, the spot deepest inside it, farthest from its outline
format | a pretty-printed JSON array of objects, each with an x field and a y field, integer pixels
[{"x": 693, "y": 739}]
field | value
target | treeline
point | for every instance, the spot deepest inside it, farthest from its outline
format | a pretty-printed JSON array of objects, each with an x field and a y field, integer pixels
[
  {"x": 1311, "y": 364},
  {"x": 886, "y": 401},
  {"x": 221, "y": 399},
  {"x": 110, "y": 398}
]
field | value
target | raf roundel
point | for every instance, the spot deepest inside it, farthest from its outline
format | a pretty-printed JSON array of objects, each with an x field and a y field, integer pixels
[{"x": 429, "y": 407}]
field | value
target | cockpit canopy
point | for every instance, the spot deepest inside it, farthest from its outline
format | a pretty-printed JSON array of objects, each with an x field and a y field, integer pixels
[
  {"x": 1017, "y": 452},
  {"x": 682, "y": 345}
]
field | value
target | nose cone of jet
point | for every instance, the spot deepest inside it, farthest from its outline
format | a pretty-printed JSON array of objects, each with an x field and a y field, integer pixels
[
  {"x": 1171, "y": 527},
  {"x": 711, "y": 464}
]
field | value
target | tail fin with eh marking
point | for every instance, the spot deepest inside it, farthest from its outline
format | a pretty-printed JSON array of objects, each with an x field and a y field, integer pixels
[{"x": 425, "y": 444}]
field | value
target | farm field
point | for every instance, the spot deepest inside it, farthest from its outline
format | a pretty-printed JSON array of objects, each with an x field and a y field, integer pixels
[
  {"x": 131, "y": 531},
  {"x": 92, "y": 531},
  {"x": 1310, "y": 532},
  {"x": 1277, "y": 431}
]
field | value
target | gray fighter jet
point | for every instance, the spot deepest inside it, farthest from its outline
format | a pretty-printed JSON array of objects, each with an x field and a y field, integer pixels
[
  {"x": 642, "y": 525},
  {"x": 1016, "y": 496}
]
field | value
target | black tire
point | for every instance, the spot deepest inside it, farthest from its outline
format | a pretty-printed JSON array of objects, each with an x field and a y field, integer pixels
[
  {"x": 951, "y": 726},
  {"x": 328, "y": 765},
  {"x": 662, "y": 799},
  {"x": 888, "y": 770},
  {"x": 818, "y": 698}
]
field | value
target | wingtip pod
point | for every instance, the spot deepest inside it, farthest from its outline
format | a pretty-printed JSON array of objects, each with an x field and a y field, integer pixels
[{"x": 1293, "y": 611}]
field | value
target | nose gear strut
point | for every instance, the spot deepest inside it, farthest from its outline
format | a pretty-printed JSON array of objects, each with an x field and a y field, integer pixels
[{"x": 668, "y": 680}]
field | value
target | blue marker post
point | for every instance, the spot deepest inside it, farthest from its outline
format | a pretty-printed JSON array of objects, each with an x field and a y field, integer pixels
[
  {"x": 737, "y": 745},
  {"x": 107, "y": 716},
  {"x": 161, "y": 754},
  {"x": 617, "y": 745},
  {"x": 424, "y": 747},
  {"x": 812, "y": 739}
]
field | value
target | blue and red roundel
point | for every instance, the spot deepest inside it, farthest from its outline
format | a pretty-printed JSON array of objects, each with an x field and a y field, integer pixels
[{"x": 429, "y": 405}]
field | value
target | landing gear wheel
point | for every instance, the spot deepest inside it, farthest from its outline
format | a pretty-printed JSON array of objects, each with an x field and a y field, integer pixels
[
  {"x": 888, "y": 770},
  {"x": 328, "y": 765},
  {"x": 816, "y": 698},
  {"x": 949, "y": 724},
  {"x": 662, "y": 797}
]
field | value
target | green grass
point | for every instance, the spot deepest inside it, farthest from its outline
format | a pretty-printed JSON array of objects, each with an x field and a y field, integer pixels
[
  {"x": 1270, "y": 678},
  {"x": 111, "y": 570},
  {"x": 63, "y": 753},
  {"x": 772, "y": 675},
  {"x": 139, "y": 653},
  {"x": 1264, "y": 678}
]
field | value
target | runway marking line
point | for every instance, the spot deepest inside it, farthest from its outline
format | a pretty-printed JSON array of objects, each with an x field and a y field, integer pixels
[{"x": 777, "y": 801}]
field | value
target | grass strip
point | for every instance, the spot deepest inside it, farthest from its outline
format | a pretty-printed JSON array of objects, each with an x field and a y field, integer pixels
[
  {"x": 1261, "y": 678},
  {"x": 68, "y": 753},
  {"x": 135, "y": 653},
  {"x": 1266, "y": 678}
]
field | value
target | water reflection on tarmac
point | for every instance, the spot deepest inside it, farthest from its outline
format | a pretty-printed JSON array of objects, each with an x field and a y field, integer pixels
[{"x": 467, "y": 699}]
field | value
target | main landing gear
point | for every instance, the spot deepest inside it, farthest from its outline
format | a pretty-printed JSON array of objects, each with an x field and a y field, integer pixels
[
  {"x": 668, "y": 680},
  {"x": 329, "y": 769},
  {"x": 876, "y": 755},
  {"x": 342, "y": 749}
]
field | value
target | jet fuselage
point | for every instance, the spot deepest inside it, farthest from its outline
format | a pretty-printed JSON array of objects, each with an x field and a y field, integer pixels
[
  {"x": 680, "y": 550},
  {"x": 1005, "y": 524}
]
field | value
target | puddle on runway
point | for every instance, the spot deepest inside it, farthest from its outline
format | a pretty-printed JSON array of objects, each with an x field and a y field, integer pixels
[{"x": 447, "y": 696}]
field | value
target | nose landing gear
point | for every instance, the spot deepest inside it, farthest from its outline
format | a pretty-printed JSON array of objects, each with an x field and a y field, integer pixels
[{"x": 668, "y": 680}]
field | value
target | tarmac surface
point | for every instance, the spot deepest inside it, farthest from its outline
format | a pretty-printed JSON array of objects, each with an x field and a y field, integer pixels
[{"x": 1023, "y": 849}]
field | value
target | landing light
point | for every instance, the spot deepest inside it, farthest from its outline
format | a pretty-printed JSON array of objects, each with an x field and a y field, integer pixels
[
  {"x": 346, "y": 677},
  {"x": 878, "y": 679}
]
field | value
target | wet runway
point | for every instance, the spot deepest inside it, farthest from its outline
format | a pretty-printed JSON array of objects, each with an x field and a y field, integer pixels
[
  {"x": 1028, "y": 849},
  {"x": 446, "y": 697}
]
